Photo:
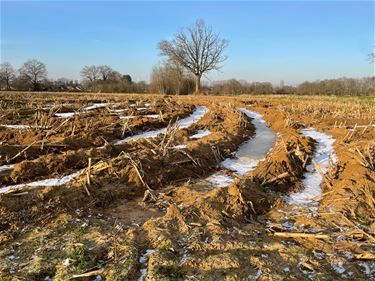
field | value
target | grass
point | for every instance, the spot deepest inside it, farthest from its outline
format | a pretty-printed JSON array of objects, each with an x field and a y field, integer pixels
[
  {"x": 169, "y": 272},
  {"x": 78, "y": 255}
]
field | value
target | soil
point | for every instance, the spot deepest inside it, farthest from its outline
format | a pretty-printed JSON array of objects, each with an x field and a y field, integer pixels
[{"x": 144, "y": 208}]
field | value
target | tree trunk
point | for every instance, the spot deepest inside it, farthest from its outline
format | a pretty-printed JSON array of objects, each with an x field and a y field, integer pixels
[
  {"x": 8, "y": 85},
  {"x": 197, "y": 84}
]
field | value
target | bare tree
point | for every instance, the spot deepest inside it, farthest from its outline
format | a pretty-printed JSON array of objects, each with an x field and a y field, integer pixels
[
  {"x": 33, "y": 71},
  {"x": 90, "y": 73},
  {"x": 105, "y": 71},
  {"x": 7, "y": 74},
  {"x": 198, "y": 49}
]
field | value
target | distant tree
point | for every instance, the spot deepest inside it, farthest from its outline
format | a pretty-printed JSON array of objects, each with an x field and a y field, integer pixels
[
  {"x": 7, "y": 74},
  {"x": 198, "y": 50},
  {"x": 105, "y": 71},
  {"x": 170, "y": 79},
  {"x": 127, "y": 78},
  {"x": 33, "y": 72},
  {"x": 90, "y": 73},
  {"x": 233, "y": 87}
]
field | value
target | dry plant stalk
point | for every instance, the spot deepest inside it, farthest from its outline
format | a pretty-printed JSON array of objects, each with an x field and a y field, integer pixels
[
  {"x": 366, "y": 158},
  {"x": 168, "y": 137}
]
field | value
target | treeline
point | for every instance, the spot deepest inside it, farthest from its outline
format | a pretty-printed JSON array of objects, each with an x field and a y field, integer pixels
[
  {"x": 338, "y": 87},
  {"x": 32, "y": 76},
  {"x": 167, "y": 78},
  {"x": 171, "y": 79},
  {"x": 103, "y": 78}
]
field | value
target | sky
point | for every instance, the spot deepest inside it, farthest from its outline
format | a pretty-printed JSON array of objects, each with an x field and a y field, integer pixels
[{"x": 270, "y": 41}]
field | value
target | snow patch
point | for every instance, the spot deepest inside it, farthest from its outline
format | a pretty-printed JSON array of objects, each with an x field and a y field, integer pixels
[{"x": 200, "y": 134}]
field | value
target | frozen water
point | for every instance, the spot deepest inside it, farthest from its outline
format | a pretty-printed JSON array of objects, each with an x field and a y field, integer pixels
[{"x": 324, "y": 154}]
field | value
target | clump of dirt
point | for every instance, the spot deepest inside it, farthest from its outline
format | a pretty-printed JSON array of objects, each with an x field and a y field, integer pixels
[
  {"x": 27, "y": 170},
  {"x": 285, "y": 165}
]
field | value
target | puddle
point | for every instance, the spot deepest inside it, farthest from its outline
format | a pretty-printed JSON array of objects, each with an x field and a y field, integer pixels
[
  {"x": 182, "y": 124},
  {"x": 324, "y": 155},
  {"x": 250, "y": 153}
]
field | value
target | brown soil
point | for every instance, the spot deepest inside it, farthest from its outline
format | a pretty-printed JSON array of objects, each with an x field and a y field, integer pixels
[{"x": 146, "y": 195}]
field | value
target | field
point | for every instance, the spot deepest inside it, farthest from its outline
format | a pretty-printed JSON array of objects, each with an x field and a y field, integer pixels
[{"x": 152, "y": 187}]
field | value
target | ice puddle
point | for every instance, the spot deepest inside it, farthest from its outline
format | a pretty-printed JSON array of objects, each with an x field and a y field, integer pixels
[
  {"x": 249, "y": 154},
  {"x": 324, "y": 155},
  {"x": 182, "y": 124},
  {"x": 46, "y": 182}
]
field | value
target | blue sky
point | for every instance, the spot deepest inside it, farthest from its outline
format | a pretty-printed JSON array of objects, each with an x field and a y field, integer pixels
[{"x": 292, "y": 41}]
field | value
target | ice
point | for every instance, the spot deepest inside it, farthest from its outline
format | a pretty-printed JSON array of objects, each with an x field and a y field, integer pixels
[
  {"x": 180, "y": 146},
  {"x": 118, "y": 110},
  {"x": 324, "y": 155},
  {"x": 249, "y": 153},
  {"x": 182, "y": 124},
  {"x": 46, "y": 182},
  {"x": 254, "y": 150},
  {"x": 368, "y": 269},
  {"x": 65, "y": 114},
  {"x": 16, "y": 126},
  {"x": 87, "y": 108},
  {"x": 143, "y": 259},
  {"x": 96, "y": 105},
  {"x": 155, "y": 116},
  {"x": 220, "y": 180},
  {"x": 6, "y": 168},
  {"x": 199, "y": 112},
  {"x": 200, "y": 134},
  {"x": 127, "y": 117}
]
